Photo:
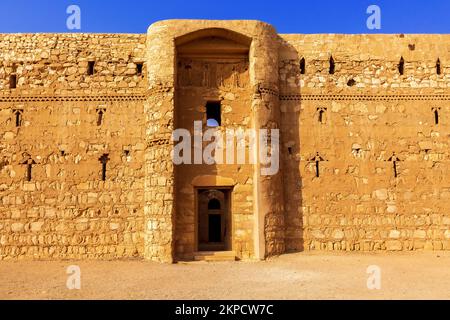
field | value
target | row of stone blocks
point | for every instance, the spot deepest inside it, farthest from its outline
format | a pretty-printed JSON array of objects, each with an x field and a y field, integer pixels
[
  {"x": 378, "y": 245},
  {"x": 71, "y": 252}
]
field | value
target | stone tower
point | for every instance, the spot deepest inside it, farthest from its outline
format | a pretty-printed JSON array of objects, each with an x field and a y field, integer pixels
[{"x": 178, "y": 54}]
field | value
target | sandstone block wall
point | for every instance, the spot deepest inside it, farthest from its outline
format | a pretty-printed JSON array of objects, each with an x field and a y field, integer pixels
[
  {"x": 356, "y": 119},
  {"x": 66, "y": 210},
  {"x": 85, "y": 142}
]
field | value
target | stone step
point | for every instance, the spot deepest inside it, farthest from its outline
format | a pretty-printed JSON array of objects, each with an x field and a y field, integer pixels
[{"x": 215, "y": 256}]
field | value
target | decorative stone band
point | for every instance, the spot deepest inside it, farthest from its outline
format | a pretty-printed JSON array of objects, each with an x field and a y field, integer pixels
[
  {"x": 265, "y": 89},
  {"x": 158, "y": 142},
  {"x": 72, "y": 98},
  {"x": 283, "y": 97},
  {"x": 160, "y": 88},
  {"x": 348, "y": 97}
]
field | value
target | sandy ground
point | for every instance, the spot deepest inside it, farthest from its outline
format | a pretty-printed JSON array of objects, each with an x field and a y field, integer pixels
[{"x": 318, "y": 275}]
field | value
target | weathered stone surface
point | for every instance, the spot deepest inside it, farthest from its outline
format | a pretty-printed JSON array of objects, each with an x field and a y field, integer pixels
[
  {"x": 66, "y": 205},
  {"x": 383, "y": 159}
]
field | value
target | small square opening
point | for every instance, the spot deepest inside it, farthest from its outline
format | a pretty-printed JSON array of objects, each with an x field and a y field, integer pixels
[{"x": 213, "y": 118}]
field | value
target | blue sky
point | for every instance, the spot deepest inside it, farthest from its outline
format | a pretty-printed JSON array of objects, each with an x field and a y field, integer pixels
[{"x": 288, "y": 16}]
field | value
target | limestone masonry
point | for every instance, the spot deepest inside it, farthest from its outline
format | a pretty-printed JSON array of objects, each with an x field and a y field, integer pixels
[{"x": 86, "y": 138}]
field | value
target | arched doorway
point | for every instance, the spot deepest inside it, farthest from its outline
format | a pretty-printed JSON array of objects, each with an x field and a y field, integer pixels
[{"x": 214, "y": 219}]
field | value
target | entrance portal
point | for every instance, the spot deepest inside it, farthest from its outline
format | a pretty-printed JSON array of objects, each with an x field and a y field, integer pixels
[{"x": 214, "y": 219}]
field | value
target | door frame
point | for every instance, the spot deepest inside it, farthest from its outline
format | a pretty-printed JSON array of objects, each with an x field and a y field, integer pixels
[{"x": 228, "y": 241}]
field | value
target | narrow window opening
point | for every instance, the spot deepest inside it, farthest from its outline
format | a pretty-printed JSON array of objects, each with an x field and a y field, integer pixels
[
  {"x": 100, "y": 116},
  {"x": 213, "y": 118},
  {"x": 317, "y": 169},
  {"x": 290, "y": 150},
  {"x": 29, "y": 168},
  {"x": 438, "y": 66},
  {"x": 104, "y": 160},
  {"x": 302, "y": 66},
  {"x": 394, "y": 159},
  {"x": 29, "y": 162},
  {"x": 91, "y": 68},
  {"x": 321, "y": 115},
  {"x": 13, "y": 81},
  {"x": 317, "y": 159},
  {"x": 401, "y": 66},
  {"x": 351, "y": 82},
  {"x": 18, "y": 117},
  {"x": 436, "y": 115},
  {"x": 126, "y": 153},
  {"x": 139, "y": 68},
  {"x": 332, "y": 65},
  {"x": 63, "y": 153}
]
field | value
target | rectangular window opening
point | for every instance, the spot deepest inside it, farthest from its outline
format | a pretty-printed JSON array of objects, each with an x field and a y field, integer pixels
[
  {"x": 100, "y": 116},
  {"x": 213, "y": 112},
  {"x": 332, "y": 66},
  {"x": 91, "y": 68},
  {"x": 139, "y": 68},
  {"x": 13, "y": 81}
]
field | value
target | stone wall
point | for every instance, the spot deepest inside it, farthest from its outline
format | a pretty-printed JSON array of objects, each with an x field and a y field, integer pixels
[
  {"x": 58, "y": 63},
  {"x": 65, "y": 209},
  {"x": 357, "y": 202},
  {"x": 85, "y": 142}
]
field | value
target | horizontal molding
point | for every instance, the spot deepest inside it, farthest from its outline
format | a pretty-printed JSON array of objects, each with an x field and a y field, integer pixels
[
  {"x": 35, "y": 98},
  {"x": 349, "y": 97},
  {"x": 282, "y": 97}
]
